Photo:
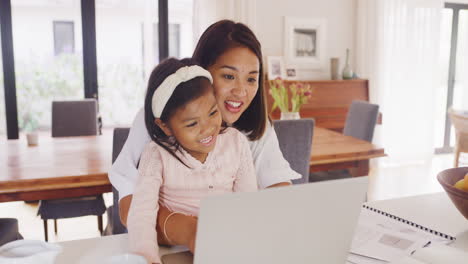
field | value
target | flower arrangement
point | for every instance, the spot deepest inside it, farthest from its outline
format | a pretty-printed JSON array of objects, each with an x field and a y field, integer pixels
[{"x": 299, "y": 95}]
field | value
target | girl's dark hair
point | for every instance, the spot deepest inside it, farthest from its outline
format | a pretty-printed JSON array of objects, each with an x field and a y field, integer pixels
[
  {"x": 184, "y": 93},
  {"x": 216, "y": 40}
]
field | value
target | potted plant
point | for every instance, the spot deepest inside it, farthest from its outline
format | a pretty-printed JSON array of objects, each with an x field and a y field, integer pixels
[
  {"x": 289, "y": 99},
  {"x": 30, "y": 125}
]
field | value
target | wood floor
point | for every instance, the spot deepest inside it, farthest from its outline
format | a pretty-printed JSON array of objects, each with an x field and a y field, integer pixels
[{"x": 385, "y": 183}]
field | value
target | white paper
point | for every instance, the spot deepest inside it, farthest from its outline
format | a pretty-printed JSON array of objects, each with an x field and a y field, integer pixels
[
  {"x": 384, "y": 238},
  {"x": 436, "y": 254},
  {"x": 357, "y": 259}
]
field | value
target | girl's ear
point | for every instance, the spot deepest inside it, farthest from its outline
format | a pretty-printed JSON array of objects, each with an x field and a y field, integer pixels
[{"x": 163, "y": 127}]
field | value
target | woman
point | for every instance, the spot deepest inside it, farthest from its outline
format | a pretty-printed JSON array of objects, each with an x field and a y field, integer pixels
[{"x": 232, "y": 54}]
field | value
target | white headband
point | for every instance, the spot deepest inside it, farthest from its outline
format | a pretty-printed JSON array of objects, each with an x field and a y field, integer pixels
[{"x": 167, "y": 87}]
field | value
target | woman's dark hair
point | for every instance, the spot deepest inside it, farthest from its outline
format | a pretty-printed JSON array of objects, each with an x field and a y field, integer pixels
[
  {"x": 216, "y": 40},
  {"x": 183, "y": 94}
]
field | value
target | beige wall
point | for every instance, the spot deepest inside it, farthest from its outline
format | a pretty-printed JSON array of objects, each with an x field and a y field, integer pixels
[{"x": 340, "y": 23}]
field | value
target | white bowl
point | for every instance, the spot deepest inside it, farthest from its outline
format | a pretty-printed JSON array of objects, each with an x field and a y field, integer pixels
[
  {"x": 126, "y": 258},
  {"x": 28, "y": 252}
]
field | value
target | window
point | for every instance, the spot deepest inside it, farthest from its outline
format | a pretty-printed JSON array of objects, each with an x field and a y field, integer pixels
[
  {"x": 2, "y": 95},
  {"x": 174, "y": 41},
  {"x": 49, "y": 59},
  {"x": 180, "y": 28},
  {"x": 454, "y": 52},
  {"x": 64, "y": 37},
  {"x": 45, "y": 67},
  {"x": 124, "y": 57}
]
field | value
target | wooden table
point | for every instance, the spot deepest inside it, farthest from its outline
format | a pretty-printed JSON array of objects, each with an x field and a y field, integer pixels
[
  {"x": 56, "y": 168},
  {"x": 77, "y": 166},
  {"x": 332, "y": 150}
]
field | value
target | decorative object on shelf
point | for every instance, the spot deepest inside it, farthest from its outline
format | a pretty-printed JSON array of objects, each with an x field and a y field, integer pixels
[
  {"x": 290, "y": 115},
  {"x": 291, "y": 73},
  {"x": 275, "y": 67},
  {"x": 348, "y": 73},
  {"x": 305, "y": 42},
  {"x": 289, "y": 99},
  {"x": 334, "y": 68}
]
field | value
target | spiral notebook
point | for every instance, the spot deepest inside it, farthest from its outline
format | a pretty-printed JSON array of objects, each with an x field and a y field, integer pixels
[
  {"x": 413, "y": 224},
  {"x": 387, "y": 237}
]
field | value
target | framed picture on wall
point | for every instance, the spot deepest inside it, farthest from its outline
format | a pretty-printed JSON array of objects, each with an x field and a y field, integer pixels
[
  {"x": 305, "y": 42},
  {"x": 275, "y": 65},
  {"x": 291, "y": 73}
]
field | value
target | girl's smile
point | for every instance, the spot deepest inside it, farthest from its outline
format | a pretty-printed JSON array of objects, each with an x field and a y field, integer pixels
[{"x": 196, "y": 125}]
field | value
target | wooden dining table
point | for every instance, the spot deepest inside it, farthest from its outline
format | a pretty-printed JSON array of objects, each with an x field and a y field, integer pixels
[
  {"x": 56, "y": 168},
  {"x": 77, "y": 166},
  {"x": 332, "y": 150}
]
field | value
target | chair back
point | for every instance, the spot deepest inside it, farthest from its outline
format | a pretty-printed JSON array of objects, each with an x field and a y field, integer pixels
[
  {"x": 74, "y": 118},
  {"x": 361, "y": 120},
  {"x": 9, "y": 230},
  {"x": 460, "y": 123},
  {"x": 120, "y": 136},
  {"x": 459, "y": 120},
  {"x": 295, "y": 141}
]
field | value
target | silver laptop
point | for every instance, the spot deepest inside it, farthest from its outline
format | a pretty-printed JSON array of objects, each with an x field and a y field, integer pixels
[{"x": 308, "y": 223}]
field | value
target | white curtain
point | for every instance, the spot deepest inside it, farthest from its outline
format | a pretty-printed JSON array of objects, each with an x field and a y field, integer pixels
[
  {"x": 206, "y": 12},
  {"x": 398, "y": 51}
]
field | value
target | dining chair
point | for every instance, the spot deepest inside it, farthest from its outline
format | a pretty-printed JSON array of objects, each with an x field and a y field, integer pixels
[
  {"x": 360, "y": 123},
  {"x": 295, "y": 141},
  {"x": 9, "y": 230},
  {"x": 460, "y": 123},
  {"x": 73, "y": 118},
  {"x": 361, "y": 120},
  {"x": 114, "y": 225}
]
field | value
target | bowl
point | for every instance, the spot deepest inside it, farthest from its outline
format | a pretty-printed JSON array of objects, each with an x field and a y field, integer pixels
[
  {"x": 447, "y": 179},
  {"x": 29, "y": 251},
  {"x": 126, "y": 258}
]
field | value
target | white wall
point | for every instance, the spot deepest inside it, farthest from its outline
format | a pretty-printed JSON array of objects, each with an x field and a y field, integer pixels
[{"x": 340, "y": 23}]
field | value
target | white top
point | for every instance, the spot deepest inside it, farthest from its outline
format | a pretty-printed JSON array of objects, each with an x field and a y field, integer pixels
[{"x": 270, "y": 165}]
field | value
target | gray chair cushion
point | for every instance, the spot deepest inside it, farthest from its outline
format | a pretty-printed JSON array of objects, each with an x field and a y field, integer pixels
[
  {"x": 361, "y": 120},
  {"x": 295, "y": 140},
  {"x": 329, "y": 175},
  {"x": 73, "y": 207},
  {"x": 9, "y": 230},
  {"x": 74, "y": 118},
  {"x": 114, "y": 225}
]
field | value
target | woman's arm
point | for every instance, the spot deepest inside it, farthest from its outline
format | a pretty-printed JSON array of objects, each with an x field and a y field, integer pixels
[{"x": 124, "y": 173}]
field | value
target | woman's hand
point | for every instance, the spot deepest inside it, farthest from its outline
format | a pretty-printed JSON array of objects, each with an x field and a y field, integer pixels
[{"x": 280, "y": 184}]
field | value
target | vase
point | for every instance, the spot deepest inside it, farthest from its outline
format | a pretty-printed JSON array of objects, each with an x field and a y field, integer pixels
[
  {"x": 32, "y": 138},
  {"x": 290, "y": 115},
  {"x": 347, "y": 71},
  {"x": 334, "y": 68}
]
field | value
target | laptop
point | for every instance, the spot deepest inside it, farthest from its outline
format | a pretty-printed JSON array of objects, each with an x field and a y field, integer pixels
[{"x": 307, "y": 223}]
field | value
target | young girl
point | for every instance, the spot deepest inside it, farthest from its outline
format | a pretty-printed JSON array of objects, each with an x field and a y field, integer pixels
[{"x": 191, "y": 156}]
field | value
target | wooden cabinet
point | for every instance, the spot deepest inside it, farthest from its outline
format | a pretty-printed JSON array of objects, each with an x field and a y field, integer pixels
[{"x": 330, "y": 101}]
